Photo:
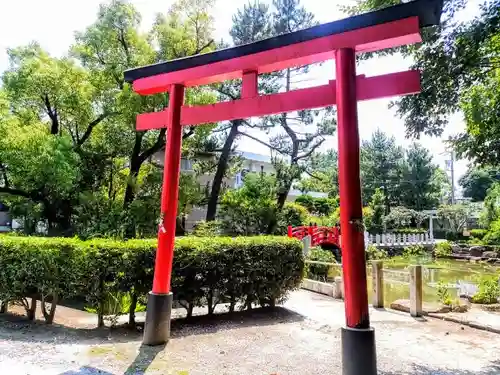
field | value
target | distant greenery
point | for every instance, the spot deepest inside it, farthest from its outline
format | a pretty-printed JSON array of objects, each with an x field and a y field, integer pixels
[
  {"x": 414, "y": 251},
  {"x": 376, "y": 253},
  {"x": 489, "y": 290},
  {"x": 319, "y": 271},
  {"x": 442, "y": 249}
]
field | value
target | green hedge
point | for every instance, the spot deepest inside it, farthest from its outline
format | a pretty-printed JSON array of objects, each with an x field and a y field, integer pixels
[{"x": 207, "y": 271}]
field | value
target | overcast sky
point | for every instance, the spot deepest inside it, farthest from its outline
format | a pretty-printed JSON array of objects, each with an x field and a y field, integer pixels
[{"x": 53, "y": 22}]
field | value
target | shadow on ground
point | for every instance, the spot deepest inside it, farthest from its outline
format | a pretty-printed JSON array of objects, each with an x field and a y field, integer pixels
[
  {"x": 19, "y": 329},
  {"x": 86, "y": 370},
  {"x": 494, "y": 369}
]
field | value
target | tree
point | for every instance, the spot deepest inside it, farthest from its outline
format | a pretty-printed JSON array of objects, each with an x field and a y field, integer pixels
[
  {"x": 464, "y": 46},
  {"x": 381, "y": 165},
  {"x": 377, "y": 210},
  {"x": 455, "y": 215},
  {"x": 476, "y": 182},
  {"x": 321, "y": 174},
  {"x": 248, "y": 210},
  {"x": 417, "y": 188},
  {"x": 302, "y": 133},
  {"x": 250, "y": 24},
  {"x": 491, "y": 210},
  {"x": 89, "y": 114}
]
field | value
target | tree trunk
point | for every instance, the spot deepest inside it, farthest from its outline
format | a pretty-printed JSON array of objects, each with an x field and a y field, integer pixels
[
  {"x": 31, "y": 310},
  {"x": 4, "y": 307},
  {"x": 221, "y": 171},
  {"x": 49, "y": 315},
  {"x": 129, "y": 197},
  {"x": 131, "y": 311}
]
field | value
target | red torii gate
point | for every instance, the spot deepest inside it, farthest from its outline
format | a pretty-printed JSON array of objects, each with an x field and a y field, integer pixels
[{"x": 340, "y": 40}]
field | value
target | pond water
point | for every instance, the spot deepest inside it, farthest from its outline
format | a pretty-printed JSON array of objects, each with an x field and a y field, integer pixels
[{"x": 461, "y": 277}]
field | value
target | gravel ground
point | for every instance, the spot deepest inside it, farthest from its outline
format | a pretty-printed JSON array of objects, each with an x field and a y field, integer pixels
[{"x": 302, "y": 338}]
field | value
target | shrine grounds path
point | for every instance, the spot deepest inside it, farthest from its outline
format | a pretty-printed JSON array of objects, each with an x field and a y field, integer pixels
[{"x": 301, "y": 338}]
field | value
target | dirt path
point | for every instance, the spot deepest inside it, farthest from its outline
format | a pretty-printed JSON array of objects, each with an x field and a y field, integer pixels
[{"x": 304, "y": 338}]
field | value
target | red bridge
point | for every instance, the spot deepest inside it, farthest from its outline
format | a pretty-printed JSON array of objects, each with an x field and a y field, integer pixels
[{"x": 329, "y": 236}]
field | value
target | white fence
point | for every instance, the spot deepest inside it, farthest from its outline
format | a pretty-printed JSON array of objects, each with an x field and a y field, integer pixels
[{"x": 391, "y": 239}]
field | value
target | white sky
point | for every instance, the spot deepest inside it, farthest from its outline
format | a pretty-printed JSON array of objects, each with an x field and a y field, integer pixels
[{"x": 53, "y": 22}]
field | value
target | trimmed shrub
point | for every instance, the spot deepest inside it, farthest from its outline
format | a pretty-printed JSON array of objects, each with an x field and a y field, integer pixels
[
  {"x": 206, "y": 271},
  {"x": 478, "y": 233},
  {"x": 207, "y": 229},
  {"x": 443, "y": 249},
  {"x": 319, "y": 271},
  {"x": 376, "y": 253}
]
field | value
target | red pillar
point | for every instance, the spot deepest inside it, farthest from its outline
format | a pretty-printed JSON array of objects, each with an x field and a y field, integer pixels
[
  {"x": 170, "y": 191},
  {"x": 353, "y": 252}
]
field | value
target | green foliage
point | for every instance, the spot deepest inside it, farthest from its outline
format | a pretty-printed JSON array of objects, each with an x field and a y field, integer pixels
[
  {"x": 292, "y": 214},
  {"x": 319, "y": 271},
  {"x": 414, "y": 251},
  {"x": 442, "y": 249},
  {"x": 249, "y": 209},
  {"x": 478, "y": 233},
  {"x": 207, "y": 229},
  {"x": 489, "y": 290},
  {"x": 493, "y": 235},
  {"x": 318, "y": 206},
  {"x": 257, "y": 270},
  {"x": 374, "y": 222},
  {"x": 444, "y": 294},
  {"x": 417, "y": 188},
  {"x": 477, "y": 181},
  {"x": 455, "y": 215},
  {"x": 409, "y": 230},
  {"x": 376, "y": 253},
  {"x": 402, "y": 217},
  {"x": 491, "y": 210}
]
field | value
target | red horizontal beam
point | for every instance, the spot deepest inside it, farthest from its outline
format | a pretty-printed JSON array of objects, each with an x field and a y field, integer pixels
[
  {"x": 394, "y": 84},
  {"x": 387, "y": 35}
]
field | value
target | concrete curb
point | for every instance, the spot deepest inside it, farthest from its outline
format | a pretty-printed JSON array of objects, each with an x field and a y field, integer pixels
[
  {"x": 334, "y": 290},
  {"x": 481, "y": 327}
]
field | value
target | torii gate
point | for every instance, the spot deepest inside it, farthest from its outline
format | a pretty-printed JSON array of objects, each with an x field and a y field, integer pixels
[{"x": 340, "y": 40}]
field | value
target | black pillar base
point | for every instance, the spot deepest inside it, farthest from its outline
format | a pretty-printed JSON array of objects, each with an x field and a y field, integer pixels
[
  {"x": 359, "y": 356},
  {"x": 157, "y": 325}
]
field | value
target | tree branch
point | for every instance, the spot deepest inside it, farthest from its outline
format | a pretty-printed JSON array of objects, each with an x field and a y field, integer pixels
[
  {"x": 262, "y": 142},
  {"x": 4, "y": 175},
  {"x": 309, "y": 153},
  {"x": 159, "y": 144},
  {"x": 91, "y": 127},
  {"x": 21, "y": 193},
  {"x": 199, "y": 50}
]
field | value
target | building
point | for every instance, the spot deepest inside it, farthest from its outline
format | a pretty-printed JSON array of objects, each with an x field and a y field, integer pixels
[{"x": 5, "y": 219}]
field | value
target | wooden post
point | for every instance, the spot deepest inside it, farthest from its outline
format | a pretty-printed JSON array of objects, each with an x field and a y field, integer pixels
[
  {"x": 416, "y": 291},
  {"x": 338, "y": 291},
  {"x": 306, "y": 243},
  {"x": 378, "y": 283}
]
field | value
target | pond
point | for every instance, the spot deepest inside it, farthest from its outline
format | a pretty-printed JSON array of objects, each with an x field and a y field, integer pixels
[{"x": 449, "y": 272}]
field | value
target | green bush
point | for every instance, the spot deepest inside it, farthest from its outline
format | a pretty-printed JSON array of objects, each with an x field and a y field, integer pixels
[
  {"x": 376, "y": 253},
  {"x": 292, "y": 214},
  {"x": 207, "y": 229},
  {"x": 319, "y": 271},
  {"x": 478, "y": 233},
  {"x": 492, "y": 237},
  {"x": 414, "y": 251},
  {"x": 206, "y": 271},
  {"x": 443, "y": 249},
  {"x": 489, "y": 290}
]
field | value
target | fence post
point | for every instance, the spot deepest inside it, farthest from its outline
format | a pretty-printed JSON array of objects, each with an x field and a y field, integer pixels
[
  {"x": 338, "y": 291},
  {"x": 378, "y": 283},
  {"x": 416, "y": 291},
  {"x": 306, "y": 245}
]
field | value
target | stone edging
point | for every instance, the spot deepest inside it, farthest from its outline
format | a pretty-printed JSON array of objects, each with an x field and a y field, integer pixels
[{"x": 482, "y": 327}]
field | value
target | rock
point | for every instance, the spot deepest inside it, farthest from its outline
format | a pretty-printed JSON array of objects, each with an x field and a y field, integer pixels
[
  {"x": 460, "y": 308},
  {"x": 490, "y": 254},
  {"x": 455, "y": 249},
  {"x": 476, "y": 251}
]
